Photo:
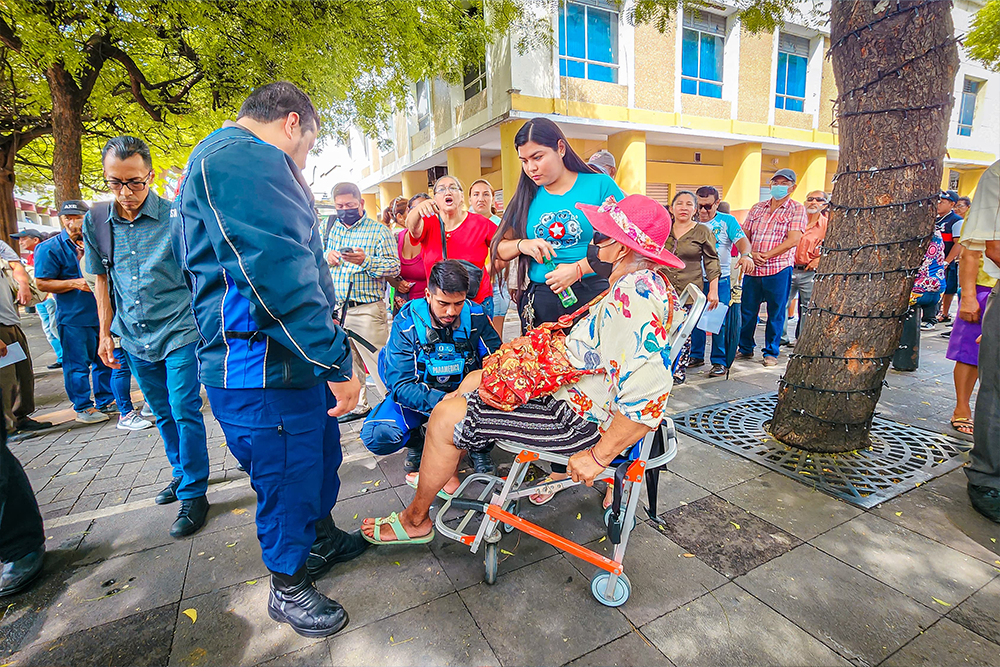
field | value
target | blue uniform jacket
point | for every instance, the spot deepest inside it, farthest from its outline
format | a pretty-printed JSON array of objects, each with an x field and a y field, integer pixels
[
  {"x": 398, "y": 360},
  {"x": 245, "y": 233}
]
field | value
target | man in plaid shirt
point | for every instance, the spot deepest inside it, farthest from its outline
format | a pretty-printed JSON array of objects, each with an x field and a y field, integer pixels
[
  {"x": 369, "y": 257},
  {"x": 774, "y": 228}
]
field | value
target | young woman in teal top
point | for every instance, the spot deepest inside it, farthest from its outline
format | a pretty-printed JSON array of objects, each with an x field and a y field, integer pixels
[{"x": 543, "y": 224}]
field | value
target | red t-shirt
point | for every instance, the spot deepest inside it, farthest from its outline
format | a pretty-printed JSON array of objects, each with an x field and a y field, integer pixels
[{"x": 469, "y": 241}]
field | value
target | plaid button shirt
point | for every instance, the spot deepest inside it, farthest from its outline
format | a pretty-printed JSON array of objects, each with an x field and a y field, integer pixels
[
  {"x": 767, "y": 231},
  {"x": 381, "y": 259}
]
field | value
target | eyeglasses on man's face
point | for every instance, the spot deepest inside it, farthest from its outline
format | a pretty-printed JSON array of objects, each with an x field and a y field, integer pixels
[
  {"x": 443, "y": 189},
  {"x": 134, "y": 185}
]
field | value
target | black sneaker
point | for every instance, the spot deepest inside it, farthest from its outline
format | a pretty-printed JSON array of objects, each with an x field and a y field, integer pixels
[
  {"x": 294, "y": 600},
  {"x": 191, "y": 517},
  {"x": 986, "y": 501},
  {"x": 169, "y": 494},
  {"x": 696, "y": 363},
  {"x": 109, "y": 409},
  {"x": 54, "y": 366},
  {"x": 29, "y": 424},
  {"x": 332, "y": 546},
  {"x": 945, "y": 334},
  {"x": 718, "y": 370},
  {"x": 482, "y": 462}
]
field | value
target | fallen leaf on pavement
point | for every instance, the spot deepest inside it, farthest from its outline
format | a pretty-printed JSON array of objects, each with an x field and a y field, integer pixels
[{"x": 192, "y": 614}]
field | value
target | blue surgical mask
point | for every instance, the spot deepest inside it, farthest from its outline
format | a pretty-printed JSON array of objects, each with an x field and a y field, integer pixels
[
  {"x": 779, "y": 191},
  {"x": 348, "y": 216}
]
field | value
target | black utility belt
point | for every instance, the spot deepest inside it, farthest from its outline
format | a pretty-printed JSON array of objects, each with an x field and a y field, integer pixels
[
  {"x": 803, "y": 267},
  {"x": 355, "y": 304}
]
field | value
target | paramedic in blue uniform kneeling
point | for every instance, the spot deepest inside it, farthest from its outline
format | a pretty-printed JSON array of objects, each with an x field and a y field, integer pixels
[
  {"x": 276, "y": 367},
  {"x": 434, "y": 343}
]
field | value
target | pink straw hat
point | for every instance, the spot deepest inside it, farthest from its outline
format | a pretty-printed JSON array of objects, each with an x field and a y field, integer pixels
[{"x": 637, "y": 222}]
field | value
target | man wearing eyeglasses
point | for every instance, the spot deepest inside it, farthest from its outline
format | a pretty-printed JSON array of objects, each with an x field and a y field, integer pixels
[
  {"x": 727, "y": 233},
  {"x": 362, "y": 256},
  {"x": 807, "y": 254},
  {"x": 144, "y": 306}
]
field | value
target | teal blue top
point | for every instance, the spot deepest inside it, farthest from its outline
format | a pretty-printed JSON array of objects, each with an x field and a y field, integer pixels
[{"x": 556, "y": 219}]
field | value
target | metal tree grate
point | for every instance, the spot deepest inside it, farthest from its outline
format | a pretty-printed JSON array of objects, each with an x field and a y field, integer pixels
[{"x": 900, "y": 458}]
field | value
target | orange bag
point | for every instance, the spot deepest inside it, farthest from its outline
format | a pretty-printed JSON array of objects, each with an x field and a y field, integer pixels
[{"x": 531, "y": 365}]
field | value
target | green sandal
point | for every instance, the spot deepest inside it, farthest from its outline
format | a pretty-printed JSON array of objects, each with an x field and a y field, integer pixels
[
  {"x": 412, "y": 483},
  {"x": 401, "y": 537}
]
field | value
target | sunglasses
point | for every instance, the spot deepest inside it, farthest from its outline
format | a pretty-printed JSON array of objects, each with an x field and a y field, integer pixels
[
  {"x": 707, "y": 206},
  {"x": 815, "y": 198}
]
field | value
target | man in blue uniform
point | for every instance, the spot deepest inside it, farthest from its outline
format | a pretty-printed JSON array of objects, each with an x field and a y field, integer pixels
[
  {"x": 434, "y": 343},
  {"x": 276, "y": 367}
]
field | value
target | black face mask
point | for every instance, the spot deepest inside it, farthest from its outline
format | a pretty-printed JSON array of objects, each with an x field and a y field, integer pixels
[
  {"x": 600, "y": 267},
  {"x": 348, "y": 216}
]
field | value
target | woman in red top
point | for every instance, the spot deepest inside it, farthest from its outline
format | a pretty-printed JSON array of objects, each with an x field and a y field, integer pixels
[
  {"x": 468, "y": 235},
  {"x": 412, "y": 279}
]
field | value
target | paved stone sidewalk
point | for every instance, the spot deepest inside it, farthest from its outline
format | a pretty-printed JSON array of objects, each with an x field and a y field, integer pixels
[{"x": 748, "y": 566}]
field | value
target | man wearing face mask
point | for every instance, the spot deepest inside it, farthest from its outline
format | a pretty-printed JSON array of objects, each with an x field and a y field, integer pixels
[
  {"x": 774, "y": 228},
  {"x": 362, "y": 255},
  {"x": 276, "y": 367}
]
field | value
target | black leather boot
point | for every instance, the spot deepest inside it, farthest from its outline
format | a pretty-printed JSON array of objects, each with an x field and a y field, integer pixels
[
  {"x": 294, "y": 600},
  {"x": 332, "y": 546},
  {"x": 482, "y": 462}
]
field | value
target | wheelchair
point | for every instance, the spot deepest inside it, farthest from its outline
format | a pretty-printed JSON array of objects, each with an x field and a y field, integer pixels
[{"x": 497, "y": 498}]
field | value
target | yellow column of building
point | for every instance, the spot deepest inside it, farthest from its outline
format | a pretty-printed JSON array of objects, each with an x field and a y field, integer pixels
[
  {"x": 946, "y": 178},
  {"x": 968, "y": 180},
  {"x": 388, "y": 191},
  {"x": 371, "y": 205},
  {"x": 629, "y": 149},
  {"x": 509, "y": 162},
  {"x": 810, "y": 170},
  {"x": 741, "y": 175},
  {"x": 414, "y": 182},
  {"x": 464, "y": 164}
]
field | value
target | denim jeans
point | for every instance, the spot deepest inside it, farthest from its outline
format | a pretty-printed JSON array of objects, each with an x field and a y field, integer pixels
[
  {"x": 47, "y": 313},
  {"x": 80, "y": 363},
  {"x": 121, "y": 382},
  {"x": 928, "y": 301},
  {"x": 772, "y": 290},
  {"x": 719, "y": 339},
  {"x": 173, "y": 392}
]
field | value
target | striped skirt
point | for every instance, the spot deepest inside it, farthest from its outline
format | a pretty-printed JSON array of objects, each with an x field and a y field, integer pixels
[{"x": 542, "y": 423}]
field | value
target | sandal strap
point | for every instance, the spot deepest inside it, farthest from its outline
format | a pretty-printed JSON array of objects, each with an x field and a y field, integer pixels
[{"x": 393, "y": 522}]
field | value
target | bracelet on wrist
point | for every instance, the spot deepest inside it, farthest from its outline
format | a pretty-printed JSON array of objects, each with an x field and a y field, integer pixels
[
  {"x": 594, "y": 456},
  {"x": 518, "y": 247}
]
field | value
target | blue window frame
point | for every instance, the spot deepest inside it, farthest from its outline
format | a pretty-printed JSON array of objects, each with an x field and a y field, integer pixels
[
  {"x": 793, "y": 61},
  {"x": 702, "y": 45},
  {"x": 967, "y": 110},
  {"x": 588, "y": 40}
]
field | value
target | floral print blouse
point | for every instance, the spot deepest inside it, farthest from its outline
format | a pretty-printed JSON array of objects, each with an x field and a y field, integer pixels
[{"x": 626, "y": 336}]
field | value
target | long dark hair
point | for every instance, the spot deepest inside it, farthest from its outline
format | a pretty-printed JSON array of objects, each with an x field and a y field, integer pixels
[{"x": 515, "y": 214}]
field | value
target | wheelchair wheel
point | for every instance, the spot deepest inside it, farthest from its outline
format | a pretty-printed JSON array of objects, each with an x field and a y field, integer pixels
[
  {"x": 607, "y": 518},
  {"x": 599, "y": 584},
  {"x": 491, "y": 552},
  {"x": 515, "y": 509}
]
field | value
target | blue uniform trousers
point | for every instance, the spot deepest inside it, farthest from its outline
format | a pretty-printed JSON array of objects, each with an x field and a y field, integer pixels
[
  {"x": 390, "y": 427},
  {"x": 290, "y": 447}
]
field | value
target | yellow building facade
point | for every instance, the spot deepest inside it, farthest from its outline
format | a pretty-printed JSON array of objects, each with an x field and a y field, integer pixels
[{"x": 673, "y": 118}]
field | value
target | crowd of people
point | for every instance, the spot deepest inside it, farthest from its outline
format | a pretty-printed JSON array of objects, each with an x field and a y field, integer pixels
[{"x": 280, "y": 316}]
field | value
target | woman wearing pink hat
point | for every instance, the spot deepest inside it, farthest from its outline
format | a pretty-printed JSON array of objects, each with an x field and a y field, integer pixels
[{"x": 623, "y": 337}]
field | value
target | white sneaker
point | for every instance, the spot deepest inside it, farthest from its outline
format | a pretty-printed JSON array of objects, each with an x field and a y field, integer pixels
[
  {"x": 146, "y": 412},
  {"x": 91, "y": 416},
  {"x": 133, "y": 421}
]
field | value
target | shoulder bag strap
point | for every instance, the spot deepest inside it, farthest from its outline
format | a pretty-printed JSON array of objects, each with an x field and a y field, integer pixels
[{"x": 444, "y": 238}]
